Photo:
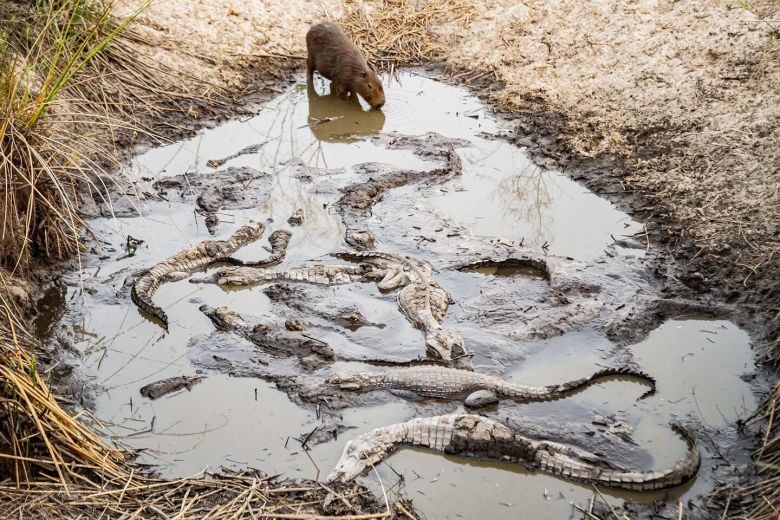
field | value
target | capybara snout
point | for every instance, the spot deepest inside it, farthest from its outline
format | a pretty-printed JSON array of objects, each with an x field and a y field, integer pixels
[
  {"x": 337, "y": 58},
  {"x": 370, "y": 88}
]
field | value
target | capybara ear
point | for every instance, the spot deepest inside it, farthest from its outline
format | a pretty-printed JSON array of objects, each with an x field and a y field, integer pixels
[{"x": 365, "y": 74}]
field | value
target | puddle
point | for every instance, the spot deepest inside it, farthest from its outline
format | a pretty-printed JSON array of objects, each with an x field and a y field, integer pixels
[
  {"x": 299, "y": 152},
  {"x": 699, "y": 365},
  {"x": 524, "y": 203}
]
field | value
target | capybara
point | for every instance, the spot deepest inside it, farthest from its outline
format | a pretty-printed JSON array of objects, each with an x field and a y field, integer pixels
[{"x": 335, "y": 57}]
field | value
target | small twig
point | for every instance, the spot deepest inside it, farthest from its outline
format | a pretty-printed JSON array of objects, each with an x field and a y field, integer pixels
[
  {"x": 586, "y": 513},
  {"x": 605, "y": 501},
  {"x": 405, "y": 512}
]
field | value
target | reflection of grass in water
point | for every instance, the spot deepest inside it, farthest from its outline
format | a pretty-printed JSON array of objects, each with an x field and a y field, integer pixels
[
  {"x": 293, "y": 142},
  {"x": 524, "y": 197}
]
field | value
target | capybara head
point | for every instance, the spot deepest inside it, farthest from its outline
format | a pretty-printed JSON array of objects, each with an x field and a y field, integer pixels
[{"x": 370, "y": 88}]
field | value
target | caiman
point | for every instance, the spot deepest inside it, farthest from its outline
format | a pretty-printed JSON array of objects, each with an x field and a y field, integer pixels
[
  {"x": 421, "y": 300},
  {"x": 276, "y": 341},
  {"x": 184, "y": 263},
  {"x": 481, "y": 437},
  {"x": 451, "y": 383},
  {"x": 166, "y": 386},
  {"x": 314, "y": 274}
]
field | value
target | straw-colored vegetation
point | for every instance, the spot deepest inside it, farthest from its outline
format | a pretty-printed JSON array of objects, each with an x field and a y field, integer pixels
[
  {"x": 399, "y": 32},
  {"x": 759, "y": 500},
  {"x": 43, "y": 50}
]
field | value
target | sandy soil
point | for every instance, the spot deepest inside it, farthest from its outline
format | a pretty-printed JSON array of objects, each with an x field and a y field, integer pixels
[
  {"x": 222, "y": 40},
  {"x": 683, "y": 94}
]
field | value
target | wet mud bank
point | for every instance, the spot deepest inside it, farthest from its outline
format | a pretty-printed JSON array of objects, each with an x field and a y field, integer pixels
[
  {"x": 418, "y": 238},
  {"x": 716, "y": 278}
]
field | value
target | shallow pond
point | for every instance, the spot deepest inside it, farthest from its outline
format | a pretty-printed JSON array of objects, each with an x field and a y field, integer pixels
[{"x": 303, "y": 148}]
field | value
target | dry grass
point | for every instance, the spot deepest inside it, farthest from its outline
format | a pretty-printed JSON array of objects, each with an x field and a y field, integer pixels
[
  {"x": 760, "y": 500},
  {"x": 45, "y": 51},
  {"x": 404, "y": 32},
  {"x": 72, "y": 87}
]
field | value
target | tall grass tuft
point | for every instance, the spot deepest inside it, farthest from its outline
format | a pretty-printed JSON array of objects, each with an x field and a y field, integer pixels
[{"x": 47, "y": 50}]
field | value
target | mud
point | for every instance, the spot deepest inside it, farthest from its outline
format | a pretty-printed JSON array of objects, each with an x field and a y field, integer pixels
[
  {"x": 166, "y": 386},
  {"x": 531, "y": 305},
  {"x": 302, "y": 303},
  {"x": 712, "y": 275}
]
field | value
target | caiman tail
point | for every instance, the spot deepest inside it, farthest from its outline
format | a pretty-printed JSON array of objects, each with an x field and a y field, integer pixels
[
  {"x": 279, "y": 241},
  {"x": 564, "y": 465},
  {"x": 141, "y": 295},
  {"x": 481, "y": 437},
  {"x": 551, "y": 392}
]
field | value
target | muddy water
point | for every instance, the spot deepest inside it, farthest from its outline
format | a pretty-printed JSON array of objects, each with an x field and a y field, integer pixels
[{"x": 306, "y": 148}]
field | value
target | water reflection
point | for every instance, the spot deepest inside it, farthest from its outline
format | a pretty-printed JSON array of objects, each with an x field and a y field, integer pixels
[
  {"x": 336, "y": 120},
  {"x": 526, "y": 197},
  {"x": 530, "y": 205}
]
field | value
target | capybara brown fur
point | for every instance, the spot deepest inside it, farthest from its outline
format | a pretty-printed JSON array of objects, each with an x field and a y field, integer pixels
[{"x": 337, "y": 58}]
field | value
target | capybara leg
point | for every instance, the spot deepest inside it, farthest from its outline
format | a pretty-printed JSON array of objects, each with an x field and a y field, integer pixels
[
  {"x": 340, "y": 90},
  {"x": 310, "y": 68}
]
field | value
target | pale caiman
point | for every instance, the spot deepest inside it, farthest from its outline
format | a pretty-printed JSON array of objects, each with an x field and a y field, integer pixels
[
  {"x": 481, "y": 437},
  {"x": 314, "y": 274},
  {"x": 184, "y": 263},
  {"x": 451, "y": 383},
  {"x": 421, "y": 300}
]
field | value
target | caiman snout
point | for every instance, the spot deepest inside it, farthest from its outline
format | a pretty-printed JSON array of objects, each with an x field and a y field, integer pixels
[
  {"x": 444, "y": 344},
  {"x": 344, "y": 383},
  {"x": 435, "y": 350}
]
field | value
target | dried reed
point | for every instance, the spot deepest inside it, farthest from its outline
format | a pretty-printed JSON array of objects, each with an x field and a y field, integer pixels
[
  {"x": 759, "y": 500},
  {"x": 404, "y": 32}
]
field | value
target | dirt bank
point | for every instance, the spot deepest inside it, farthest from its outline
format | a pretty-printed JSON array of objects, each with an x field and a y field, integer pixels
[{"x": 678, "y": 100}]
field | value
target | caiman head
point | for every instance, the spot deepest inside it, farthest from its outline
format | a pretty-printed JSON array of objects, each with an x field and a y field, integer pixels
[
  {"x": 222, "y": 317},
  {"x": 358, "y": 454},
  {"x": 444, "y": 344},
  {"x": 352, "y": 382}
]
